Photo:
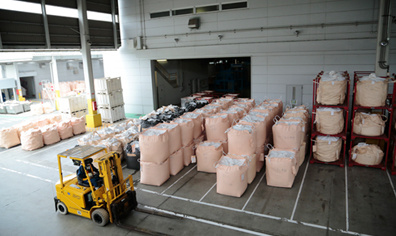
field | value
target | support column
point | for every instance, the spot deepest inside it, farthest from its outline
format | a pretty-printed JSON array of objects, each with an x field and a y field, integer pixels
[
  {"x": 18, "y": 81},
  {"x": 55, "y": 81},
  {"x": 93, "y": 118}
]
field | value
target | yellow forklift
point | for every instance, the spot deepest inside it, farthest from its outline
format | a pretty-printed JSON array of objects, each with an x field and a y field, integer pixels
[{"x": 98, "y": 193}]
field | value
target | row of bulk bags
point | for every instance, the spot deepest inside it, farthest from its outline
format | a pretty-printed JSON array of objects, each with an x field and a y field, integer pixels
[
  {"x": 367, "y": 154},
  {"x": 281, "y": 167},
  {"x": 371, "y": 91},
  {"x": 331, "y": 88},
  {"x": 329, "y": 120},
  {"x": 327, "y": 148},
  {"x": 368, "y": 124}
]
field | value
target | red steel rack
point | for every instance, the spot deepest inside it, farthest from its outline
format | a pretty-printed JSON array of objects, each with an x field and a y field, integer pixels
[
  {"x": 392, "y": 161},
  {"x": 343, "y": 135},
  {"x": 383, "y": 140}
]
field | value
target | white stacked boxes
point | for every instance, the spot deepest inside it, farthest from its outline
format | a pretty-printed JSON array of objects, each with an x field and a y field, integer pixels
[
  {"x": 109, "y": 99},
  {"x": 73, "y": 106}
]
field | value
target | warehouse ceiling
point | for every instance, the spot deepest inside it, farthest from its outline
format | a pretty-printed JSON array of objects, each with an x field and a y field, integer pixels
[{"x": 20, "y": 29}]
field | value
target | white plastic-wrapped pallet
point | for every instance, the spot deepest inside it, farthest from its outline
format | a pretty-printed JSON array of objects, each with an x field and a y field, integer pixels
[
  {"x": 288, "y": 134},
  {"x": 176, "y": 162},
  {"x": 198, "y": 122},
  {"x": 329, "y": 120},
  {"x": 368, "y": 124},
  {"x": 9, "y": 137},
  {"x": 327, "y": 148},
  {"x": 208, "y": 154},
  {"x": 281, "y": 167},
  {"x": 154, "y": 145},
  {"x": 153, "y": 173},
  {"x": 231, "y": 175},
  {"x": 216, "y": 126},
  {"x": 367, "y": 154},
  {"x": 242, "y": 139},
  {"x": 174, "y": 130},
  {"x": 331, "y": 88},
  {"x": 65, "y": 129},
  {"x": 187, "y": 130},
  {"x": 50, "y": 134},
  {"x": 31, "y": 139},
  {"x": 371, "y": 91}
]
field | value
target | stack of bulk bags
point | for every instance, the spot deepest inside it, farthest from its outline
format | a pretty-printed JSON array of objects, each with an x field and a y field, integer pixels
[
  {"x": 289, "y": 135},
  {"x": 31, "y": 139},
  {"x": 231, "y": 175},
  {"x": 187, "y": 137},
  {"x": 329, "y": 120},
  {"x": 281, "y": 167},
  {"x": 371, "y": 91},
  {"x": 154, "y": 159},
  {"x": 260, "y": 123},
  {"x": 331, "y": 88},
  {"x": 176, "y": 159},
  {"x": 277, "y": 103},
  {"x": 50, "y": 134},
  {"x": 9, "y": 137},
  {"x": 368, "y": 124},
  {"x": 367, "y": 154},
  {"x": 198, "y": 123},
  {"x": 327, "y": 148},
  {"x": 242, "y": 143},
  {"x": 208, "y": 154}
]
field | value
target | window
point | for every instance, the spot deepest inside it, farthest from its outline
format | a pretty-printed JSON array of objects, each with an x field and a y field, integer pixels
[
  {"x": 207, "y": 8},
  {"x": 159, "y": 14},
  {"x": 234, "y": 5},
  {"x": 183, "y": 11}
]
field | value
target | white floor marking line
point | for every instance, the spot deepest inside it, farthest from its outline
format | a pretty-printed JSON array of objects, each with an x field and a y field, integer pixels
[
  {"x": 346, "y": 198},
  {"x": 251, "y": 195},
  {"x": 52, "y": 146},
  {"x": 207, "y": 192},
  {"x": 42, "y": 166},
  {"x": 390, "y": 180},
  {"x": 299, "y": 192},
  {"x": 11, "y": 149},
  {"x": 178, "y": 179},
  {"x": 251, "y": 213},
  {"x": 210, "y": 222},
  {"x": 27, "y": 175}
]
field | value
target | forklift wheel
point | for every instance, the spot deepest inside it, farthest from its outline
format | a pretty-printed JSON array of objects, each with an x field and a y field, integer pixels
[
  {"x": 100, "y": 217},
  {"x": 62, "y": 208}
]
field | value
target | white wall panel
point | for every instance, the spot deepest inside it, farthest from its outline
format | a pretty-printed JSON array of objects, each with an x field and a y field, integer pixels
[{"x": 278, "y": 57}]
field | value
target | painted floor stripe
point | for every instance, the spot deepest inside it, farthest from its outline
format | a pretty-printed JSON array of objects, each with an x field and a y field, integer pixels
[
  {"x": 179, "y": 179},
  {"x": 390, "y": 180},
  {"x": 299, "y": 192},
  {"x": 251, "y": 195},
  {"x": 42, "y": 166},
  {"x": 27, "y": 175},
  {"x": 207, "y": 192},
  {"x": 252, "y": 213},
  {"x": 205, "y": 221}
]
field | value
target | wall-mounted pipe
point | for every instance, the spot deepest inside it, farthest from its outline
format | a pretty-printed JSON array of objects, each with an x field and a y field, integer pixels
[{"x": 383, "y": 37}]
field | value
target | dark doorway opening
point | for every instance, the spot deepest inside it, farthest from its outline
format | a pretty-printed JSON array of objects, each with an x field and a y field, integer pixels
[
  {"x": 175, "y": 79},
  {"x": 28, "y": 84}
]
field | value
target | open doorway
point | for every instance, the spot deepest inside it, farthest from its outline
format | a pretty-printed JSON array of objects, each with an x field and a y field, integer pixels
[
  {"x": 175, "y": 79},
  {"x": 28, "y": 87}
]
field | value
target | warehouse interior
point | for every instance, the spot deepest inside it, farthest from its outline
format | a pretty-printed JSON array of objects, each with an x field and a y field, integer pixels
[{"x": 217, "y": 109}]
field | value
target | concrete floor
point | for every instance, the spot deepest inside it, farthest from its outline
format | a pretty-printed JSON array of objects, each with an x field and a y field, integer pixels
[{"x": 324, "y": 200}]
